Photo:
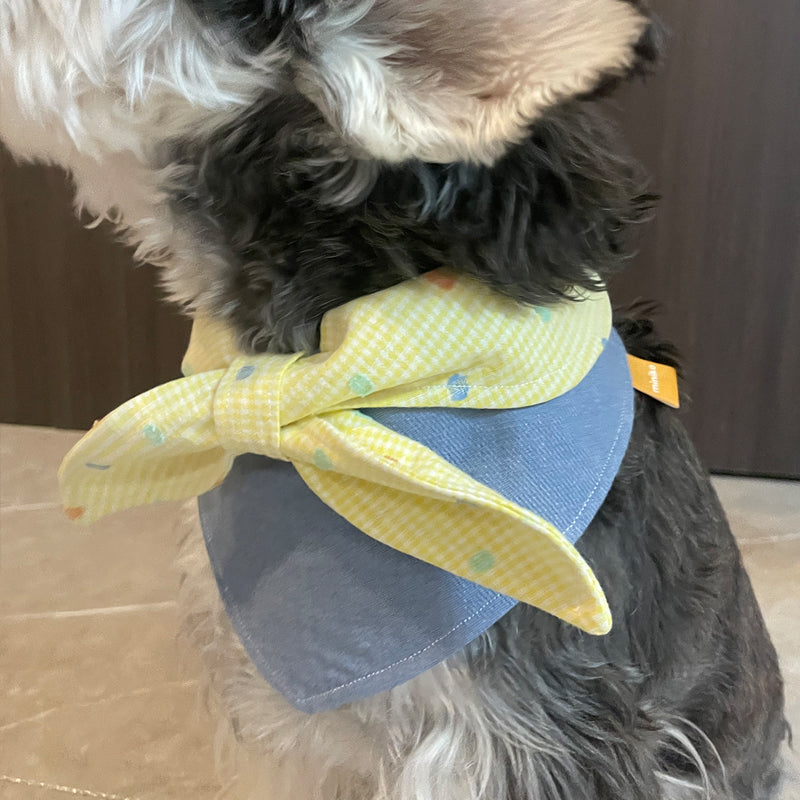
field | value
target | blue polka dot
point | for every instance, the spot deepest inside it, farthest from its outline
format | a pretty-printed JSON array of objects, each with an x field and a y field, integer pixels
[
  {"x": 245, "y": 372},
  {"x": 154, "y": 435},
  {"x": 458, "y": 386},
  {"x": 101, "y": 467}
]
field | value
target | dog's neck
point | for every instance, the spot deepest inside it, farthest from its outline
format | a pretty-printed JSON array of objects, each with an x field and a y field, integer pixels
[{"x": 300, "y": 226}]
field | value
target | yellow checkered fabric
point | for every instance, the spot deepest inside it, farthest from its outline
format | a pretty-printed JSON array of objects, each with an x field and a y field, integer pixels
[{"x": 434, "y": 341}]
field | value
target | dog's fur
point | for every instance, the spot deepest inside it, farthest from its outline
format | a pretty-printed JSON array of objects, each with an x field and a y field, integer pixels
[{"x": 280, "y": 158}]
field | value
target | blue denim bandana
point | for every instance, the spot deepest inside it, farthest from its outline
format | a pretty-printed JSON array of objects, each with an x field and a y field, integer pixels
[{"x": 329, "y": 615}]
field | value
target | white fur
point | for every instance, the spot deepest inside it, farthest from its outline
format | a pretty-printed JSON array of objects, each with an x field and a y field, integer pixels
[
  {"x": 100, "y": 87},
  {"x": 449, "y": 80}
]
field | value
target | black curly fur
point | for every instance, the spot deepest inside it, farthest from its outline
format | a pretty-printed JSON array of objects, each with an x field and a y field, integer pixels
[
  {"x": 257, "y": 23},
  {"x": 635, "y": 324},
  {"x": 305, "y": 225},
  {"x": 305, "y": 229}
]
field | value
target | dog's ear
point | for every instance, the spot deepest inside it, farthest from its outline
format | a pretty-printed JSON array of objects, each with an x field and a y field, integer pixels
[{"x": 458, "y": 80}]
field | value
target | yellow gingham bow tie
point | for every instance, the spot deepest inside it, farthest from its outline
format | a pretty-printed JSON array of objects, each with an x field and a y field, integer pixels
[{"x": 436, "y": 341}]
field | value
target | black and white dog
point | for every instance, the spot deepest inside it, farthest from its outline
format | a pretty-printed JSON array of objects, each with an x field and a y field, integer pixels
[{"x": 282, "y": 157}]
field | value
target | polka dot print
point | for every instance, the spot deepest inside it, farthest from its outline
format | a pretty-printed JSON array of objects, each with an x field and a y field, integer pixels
[
  {"x": 154, "y": 435},
  {"x": 360, "y": 385},
  {"x": 458, "y": 386},
  {"x": 439, "y": 341},
  {"x": 482, "y": 561},
  {"x": 322, "y": 459},
  {"x": 441, "y": 279}
]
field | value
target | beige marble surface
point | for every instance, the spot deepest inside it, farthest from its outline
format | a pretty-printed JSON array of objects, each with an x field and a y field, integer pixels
[{"x": 95, "y": 700}]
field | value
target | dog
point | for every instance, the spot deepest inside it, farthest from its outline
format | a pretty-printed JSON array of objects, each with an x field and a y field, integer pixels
[{"x": 281, "y": 159}]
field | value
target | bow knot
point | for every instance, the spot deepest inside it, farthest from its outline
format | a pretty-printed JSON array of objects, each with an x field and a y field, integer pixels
[
  {"x": 248, "y": 399},
  {"x": 437, "y": 341}
]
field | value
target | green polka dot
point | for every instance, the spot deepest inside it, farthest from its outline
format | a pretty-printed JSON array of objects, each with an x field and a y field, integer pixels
[
  {"x": 543, "y": 312},
  {"x": 322, "y": 460},
  {"x": 154, "y": 435},
  {"x": 360, "y": 385},
  {"x": 482, "y": 561},
  {"x": 187, "y": 370}
]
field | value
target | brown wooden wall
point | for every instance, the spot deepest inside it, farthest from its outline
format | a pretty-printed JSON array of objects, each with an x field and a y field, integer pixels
[
  {"x": 81, "y": 330},
  {"x": 719, "y": 128}
]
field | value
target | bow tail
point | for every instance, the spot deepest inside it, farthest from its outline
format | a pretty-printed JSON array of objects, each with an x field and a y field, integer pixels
[
  {"x": 89, "y": 493},
  {"x": 161, "y": 445},
  {"x": 524, "y": 559},
  {"x": 409, "y": 498}
]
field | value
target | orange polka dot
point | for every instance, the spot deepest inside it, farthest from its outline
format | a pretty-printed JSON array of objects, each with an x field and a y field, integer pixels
[
  {"x": 441, "y": 278},
  {"x": 75, "y": 512}
]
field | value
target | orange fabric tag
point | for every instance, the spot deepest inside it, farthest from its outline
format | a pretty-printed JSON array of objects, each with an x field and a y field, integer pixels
[{"x": 656, "y": 380}]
